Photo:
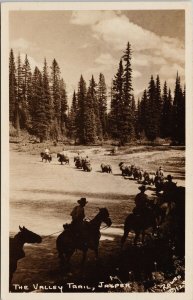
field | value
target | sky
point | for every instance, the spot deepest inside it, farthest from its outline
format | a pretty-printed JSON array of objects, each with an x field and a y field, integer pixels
[{"x": 90, "y": 42}]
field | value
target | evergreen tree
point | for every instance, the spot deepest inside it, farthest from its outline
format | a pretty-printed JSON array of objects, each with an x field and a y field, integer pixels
[
  {"x": 178, "y": 113},
  {"x": 90, "y": 117},
  {"x": 151, "y": 112},
  {"x": 134, "y": 115},
  {"x": 64, "y": 106},
  {"x": 158, "y": 105},
  {"x": 55, "y": 88},
  {"x": 72, "y": 125},
  {"x": 166, "y": 115},
  {"x": 12, "y": 88},
  {"x": 26, "y": 94},
  {"x": 128, "y": 130},
  {"x": 92, "y": 94},
  {"x": 49, "y": 108},
  {"x": 143, "y": 113},
  {"x": 19, "y": 95},
  {"x": 102, "y": 101},
  {"x": 81, "y": 107},
  {"x": 39, "y": 113},
  {"x": 117, "y": 105}
]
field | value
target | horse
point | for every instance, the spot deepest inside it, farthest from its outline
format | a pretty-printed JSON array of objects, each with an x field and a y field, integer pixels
[
  {"x": 16, "y": 244},
  {"x": 46, "y": 157},
  {"x": 149, "y": 178},
  {"x": 67, "y": 242},
  {"x": 137, "y": 173},
  {"x": 78, "y": 162},
  {"x": 63, "y": 158},
  {"x": 86, "y": 166},
  {"x": 106, "y": 168},
  {"x": 125, "y": 169},
  {"x": 139, "y": 223},
  {"x": 159, "y": 184}
]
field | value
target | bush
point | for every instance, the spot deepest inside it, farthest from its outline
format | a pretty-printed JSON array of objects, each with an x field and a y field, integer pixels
[{"x": 12, "y": 131}]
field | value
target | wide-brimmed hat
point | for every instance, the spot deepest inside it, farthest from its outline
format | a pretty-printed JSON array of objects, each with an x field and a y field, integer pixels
[
  {"x": 142, "y": 188},
  {"x": 82, "y": 201},
  {"x": 169, "y": 177}
]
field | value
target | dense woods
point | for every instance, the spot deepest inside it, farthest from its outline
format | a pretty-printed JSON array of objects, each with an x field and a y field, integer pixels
[{"x": 38, "y": 103}]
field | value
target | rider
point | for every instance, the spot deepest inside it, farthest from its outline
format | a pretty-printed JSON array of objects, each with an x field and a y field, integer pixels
[
  {"x": 78, "y": 216},
  {"x": 141, "y": 201},
  {"x": 160, "y": 173},
  {"x": 47, "y": 151},
  {"x": 63, "y": 152},
  {"x": 87, "y": 160},
  {"x": 169, "y": 189}
]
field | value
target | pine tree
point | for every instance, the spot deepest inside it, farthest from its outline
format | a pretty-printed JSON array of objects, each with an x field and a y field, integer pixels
[
  {"x": 134, "y": 115},
  {"x": 92, "y": 94},
  {"x": 90, "y": 117},
  {"x": 39, "y": 113},
  {"x": 158, "y": 105},
  {"x": 64, "y": 106},
  {"x": 81, "y": 107},
  {"x": 178, "y": 113},
  {"x": 19, "y": 95},
  {"x": 117, "y": 105},
  {"x": 151, "y": 112},
  {"x": 143, "y": 113},
  {"x": 72, "y": 124},
  {"x": 12, "y": 88},
  {"x": 128, "y": 130},
  {"x": 102, "y": 101},
  {"x": 26, "y": 94},
  {"x": 55, "y": 88},
  {"x": 49, "y": 109},
  {"x": 166, "y": 114}
]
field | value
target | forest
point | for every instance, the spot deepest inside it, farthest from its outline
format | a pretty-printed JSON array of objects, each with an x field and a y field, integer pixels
[{"x": 39, "y": 104}]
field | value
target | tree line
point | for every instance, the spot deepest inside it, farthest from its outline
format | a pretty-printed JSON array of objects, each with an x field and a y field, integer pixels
[{"x": 38, "y": 103}]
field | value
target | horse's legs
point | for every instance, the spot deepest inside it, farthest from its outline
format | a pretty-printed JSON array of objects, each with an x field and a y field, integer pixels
[
  {"x": 84, "y": 258},
  {"x": 124, "y": 237},
  {"x": 96, "y": 253},
  {"x": 62, "y": 260},
  {"x": 137, "y": 233},
  {"x": 143, "y": 236}
]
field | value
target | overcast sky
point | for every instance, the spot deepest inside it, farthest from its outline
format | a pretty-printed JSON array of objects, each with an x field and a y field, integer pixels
[{"x": 90, "y": 42}]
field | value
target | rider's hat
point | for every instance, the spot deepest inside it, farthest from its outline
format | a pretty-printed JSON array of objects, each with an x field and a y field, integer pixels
[
  {"x": 82, "y": 201},
  {"x": 142, "y": 188},
  {"x": 169, "y": 177},
  {"x": 160, "y": 168}
]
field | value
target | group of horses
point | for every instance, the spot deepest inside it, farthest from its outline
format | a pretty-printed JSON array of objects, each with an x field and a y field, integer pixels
[
  {"x": 143, "y": 177},
  {"x": 63, "y": 159},
  {"x": 155, "y": 220},
  {"x": 82, "y": 163}
]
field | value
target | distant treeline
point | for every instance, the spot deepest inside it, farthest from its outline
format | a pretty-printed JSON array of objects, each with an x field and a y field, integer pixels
[{"x": 38, "y": 103}]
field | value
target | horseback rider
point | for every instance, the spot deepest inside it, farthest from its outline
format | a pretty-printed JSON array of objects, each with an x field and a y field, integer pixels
[
  {"x": 63, "y": 152},
  {"x": 160, "y": 174},
  {"x": 78, "y": 216},
  {"x": 141, "y": 201},
  {"x": 169, "y": 189},
  {"x": 47, "y": 151},
  {"x": 87, "y": 160}
]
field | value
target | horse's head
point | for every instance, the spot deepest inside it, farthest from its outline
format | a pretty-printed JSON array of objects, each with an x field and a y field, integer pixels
[
  {"x": 104, "y": 215},
  {"x": 29, "y": 236}
]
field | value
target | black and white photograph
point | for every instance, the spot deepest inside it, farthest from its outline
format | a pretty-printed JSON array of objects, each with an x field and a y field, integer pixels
[{"x": 95, "y": 120}]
